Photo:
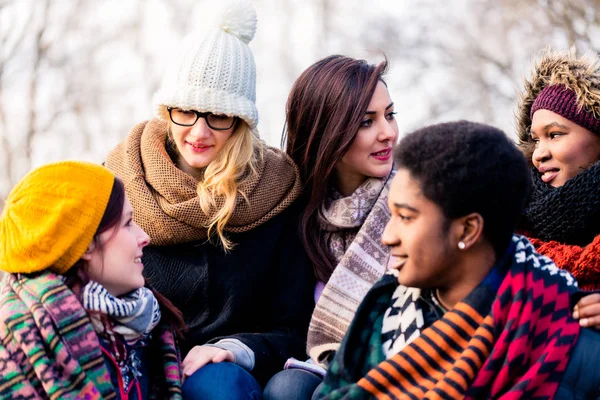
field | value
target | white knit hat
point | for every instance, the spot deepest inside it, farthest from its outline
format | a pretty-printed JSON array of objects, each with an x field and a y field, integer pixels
[{"x": 214, "y": 70}]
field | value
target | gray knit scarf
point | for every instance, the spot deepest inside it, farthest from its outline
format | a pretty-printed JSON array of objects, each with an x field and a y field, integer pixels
[{"x": 355, "y": 225}]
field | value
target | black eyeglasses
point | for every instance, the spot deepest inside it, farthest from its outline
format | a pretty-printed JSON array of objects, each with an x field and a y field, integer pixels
[{"x": 217, "y": 122}]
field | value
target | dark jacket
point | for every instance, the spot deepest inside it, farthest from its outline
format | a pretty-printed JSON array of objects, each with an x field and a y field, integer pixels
[
  {"x": 580, "y": 380},
  {"x": 260, "y": 293}
]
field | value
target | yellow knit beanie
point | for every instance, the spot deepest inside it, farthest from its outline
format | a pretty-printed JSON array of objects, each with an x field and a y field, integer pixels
[{"x": 51, "y": 216}]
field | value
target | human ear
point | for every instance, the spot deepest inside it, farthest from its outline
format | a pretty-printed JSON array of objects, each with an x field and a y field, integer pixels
[
  {"x": 87, "y": 256},
  {"x": 470, "y": 230}
]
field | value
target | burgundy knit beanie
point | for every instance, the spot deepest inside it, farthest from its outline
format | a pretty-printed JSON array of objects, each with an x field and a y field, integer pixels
[{"x": 563, "y": 101}]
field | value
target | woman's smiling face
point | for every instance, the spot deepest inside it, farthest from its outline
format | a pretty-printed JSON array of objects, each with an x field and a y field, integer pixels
[
  {"x": 370, "y": 155},
  {"x": 115, "y": 261},
  {"x": 562, "y": 148},
  {"x": 198, "y": 145}
]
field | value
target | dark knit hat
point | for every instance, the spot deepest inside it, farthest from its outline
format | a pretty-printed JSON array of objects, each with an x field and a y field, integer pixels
[{"x": 561, "y": 100}]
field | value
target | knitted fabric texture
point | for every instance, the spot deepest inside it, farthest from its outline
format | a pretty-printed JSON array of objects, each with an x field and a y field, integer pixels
[
  {"x": 581, "y": 261},
  {"x": 122, "y": 323},
  {"x": 48, "y": 347},
  {"x": 164, "y": 198},
  {"x": 569, "y": 214},
  {"x": 563, "y": 224},
  {"x": 364, "y": 262},
  {"x": 51, "y": 216},
  {"x": 514, "y": 343},
  {"x": 403, "y": 320},
  {"x": 342, "y": 217},
  {"x": 133, "y": 316},
  {"x": 564, "y": 70},
  {"x": 562, "y": 101},
  {"x": 214, "y": 68}
]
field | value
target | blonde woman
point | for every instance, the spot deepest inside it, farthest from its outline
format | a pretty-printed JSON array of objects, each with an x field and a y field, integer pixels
[{"x": 218, "y": 206}]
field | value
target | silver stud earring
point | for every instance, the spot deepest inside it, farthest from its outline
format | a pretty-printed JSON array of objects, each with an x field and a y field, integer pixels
[{"x": 461, "y": 245}]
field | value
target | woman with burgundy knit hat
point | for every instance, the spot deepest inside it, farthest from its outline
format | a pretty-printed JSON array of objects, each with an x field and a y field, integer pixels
[
  {"x": 219, "y": 206},
  {"x": 558, "y": 125},
  {"x": 76, "y": 320}
]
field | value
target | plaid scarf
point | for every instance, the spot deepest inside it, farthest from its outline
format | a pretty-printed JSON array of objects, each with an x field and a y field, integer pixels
[
  {"x": 49, "y": 349},
  {"x": 511, "y": 343}
]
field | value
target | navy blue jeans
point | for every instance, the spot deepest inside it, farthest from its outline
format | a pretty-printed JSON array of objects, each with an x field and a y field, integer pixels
[
  {"x": 221, "y": 381},
  {"x": 292, "y": 384}
]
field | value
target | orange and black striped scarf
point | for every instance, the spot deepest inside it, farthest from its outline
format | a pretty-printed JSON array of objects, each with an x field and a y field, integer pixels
[{"x": 513, "y": 342}]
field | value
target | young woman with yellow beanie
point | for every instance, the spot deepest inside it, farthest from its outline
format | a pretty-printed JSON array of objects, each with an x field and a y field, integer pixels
[
  {"x": 218, "y": 206},
  {"x": 76, "y": 320}
]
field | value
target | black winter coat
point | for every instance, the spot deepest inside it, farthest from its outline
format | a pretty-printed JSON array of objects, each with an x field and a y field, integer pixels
[{"x": 260, "y": 293}]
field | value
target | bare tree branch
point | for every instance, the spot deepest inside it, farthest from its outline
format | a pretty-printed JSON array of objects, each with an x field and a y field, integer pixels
[{"x": 39, "y": 52}]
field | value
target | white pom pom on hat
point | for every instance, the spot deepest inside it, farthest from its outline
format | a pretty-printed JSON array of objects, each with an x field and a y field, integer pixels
[
  {"x": 239, "y": 19},
  {"x": 214, "y": 69}
]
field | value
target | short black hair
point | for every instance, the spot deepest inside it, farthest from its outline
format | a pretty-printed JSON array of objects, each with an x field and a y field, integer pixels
[{"x": 467, "y": 167}]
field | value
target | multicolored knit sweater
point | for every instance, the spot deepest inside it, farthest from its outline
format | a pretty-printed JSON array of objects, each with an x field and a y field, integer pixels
[
  {"x": 510, "y": 343},
  {"x": 49, "y": 349}
]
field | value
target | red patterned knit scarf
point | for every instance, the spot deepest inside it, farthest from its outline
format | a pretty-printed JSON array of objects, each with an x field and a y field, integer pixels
[{"x": 518, "y": 349}]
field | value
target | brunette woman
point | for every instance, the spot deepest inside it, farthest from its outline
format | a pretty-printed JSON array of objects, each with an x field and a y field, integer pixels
[
  {"x": 76, "y": 320},
  {"x": 341, "y": 127}
]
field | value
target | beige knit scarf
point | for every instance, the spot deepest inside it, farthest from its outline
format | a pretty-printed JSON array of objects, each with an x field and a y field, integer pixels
[
  {"x": 363, "y": 263},
  {"x": 165, "y": 200}
]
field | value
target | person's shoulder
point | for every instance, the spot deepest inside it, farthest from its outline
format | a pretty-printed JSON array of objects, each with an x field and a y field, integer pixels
[
  {"x": 36, "y": 285},
  {"x": 282, "y": 223},
  {"x": 6, "y": 293},
  {"x": 293, "y": 211},
  {"x": 540, "y": 263},
  {"x": 278, "y": 160},
  {"x": 136, "y": 130},
  {"x": 151, "y": 123},
  {"x": 582, "y": 375}
]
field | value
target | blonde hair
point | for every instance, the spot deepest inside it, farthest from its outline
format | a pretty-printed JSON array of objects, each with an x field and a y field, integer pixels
[{"x": 236, "y": 163}]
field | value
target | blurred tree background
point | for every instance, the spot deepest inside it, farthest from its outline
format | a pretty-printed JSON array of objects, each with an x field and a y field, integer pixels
[{"x": 76, "y": 75}]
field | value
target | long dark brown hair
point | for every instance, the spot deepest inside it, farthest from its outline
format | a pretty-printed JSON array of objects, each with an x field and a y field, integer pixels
[
  {"x": 323, "y": 115},
  {"x": 77, "y": 277}
]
